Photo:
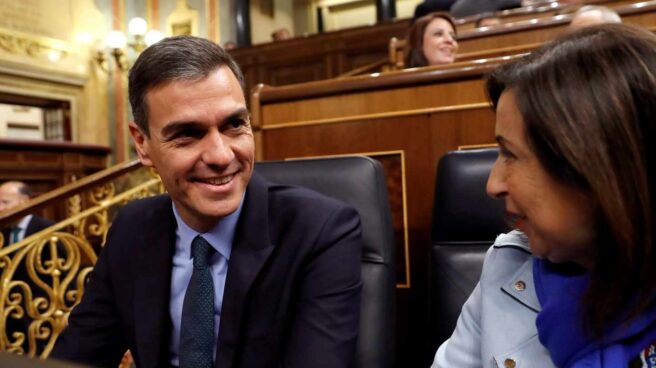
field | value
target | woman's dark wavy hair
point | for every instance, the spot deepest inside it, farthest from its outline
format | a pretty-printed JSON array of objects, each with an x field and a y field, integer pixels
[
  {"x": 588, "y": 101},
  {"x": 414, "y": 50}
]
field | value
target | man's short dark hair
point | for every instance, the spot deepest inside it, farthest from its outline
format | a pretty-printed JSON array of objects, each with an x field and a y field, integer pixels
[{"x": 174, "y": 58}]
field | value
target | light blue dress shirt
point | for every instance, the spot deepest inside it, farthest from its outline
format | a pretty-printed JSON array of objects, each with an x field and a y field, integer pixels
[{"x": 220, "y": 237}]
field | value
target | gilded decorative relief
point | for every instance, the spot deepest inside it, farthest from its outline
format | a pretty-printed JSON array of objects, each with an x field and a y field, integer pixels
[
  {"x": 183, "y": 20},
  {"x": 32, "y": 47}
]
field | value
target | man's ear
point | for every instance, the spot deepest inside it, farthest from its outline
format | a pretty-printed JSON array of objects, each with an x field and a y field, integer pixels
[{"x": 141, "y": 144}]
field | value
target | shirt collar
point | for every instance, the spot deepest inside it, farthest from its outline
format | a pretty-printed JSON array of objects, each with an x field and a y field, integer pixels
[
  {"x": 22, "y": 224},
  {"x": 220, "y": 236}
]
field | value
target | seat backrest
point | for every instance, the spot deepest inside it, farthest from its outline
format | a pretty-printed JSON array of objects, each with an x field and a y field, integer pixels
[
  {"x": 396, "y": 53},
  {"x": 360, "y": 182},
  {"x": 465, "y": 223}
]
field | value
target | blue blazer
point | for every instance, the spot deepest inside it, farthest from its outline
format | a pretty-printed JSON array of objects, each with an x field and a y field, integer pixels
[
  {"x": 496, "y": 327},
  {"x": 292, "y": 293}
]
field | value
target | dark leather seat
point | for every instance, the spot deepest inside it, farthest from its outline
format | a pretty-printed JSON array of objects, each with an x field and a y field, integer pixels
[
  {"x": 360, "y": 182},
  {"x": 465, "y": 223}
]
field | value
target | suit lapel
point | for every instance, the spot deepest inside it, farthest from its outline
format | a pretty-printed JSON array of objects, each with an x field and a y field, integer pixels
[
  {"x": 250, "y": 251},
  {"x": 152, "y": 268},
  {"x": 31, "y": 227},
  {"x": 6, "y": 234}
]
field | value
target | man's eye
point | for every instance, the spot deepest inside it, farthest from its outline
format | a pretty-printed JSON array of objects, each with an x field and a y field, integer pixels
[
  {"x": 186, "y": 134},
  {"x": 236, "y": 123}
]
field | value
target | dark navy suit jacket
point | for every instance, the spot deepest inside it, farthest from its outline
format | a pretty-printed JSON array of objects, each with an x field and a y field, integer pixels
[
  {"x": 292, "y": 293},
  {"x": 35, "y": 225}
]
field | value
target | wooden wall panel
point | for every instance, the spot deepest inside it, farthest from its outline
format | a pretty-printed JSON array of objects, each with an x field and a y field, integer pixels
[
  {"x": 379, "y": 101},
  {"x": 337, "y": 52}
]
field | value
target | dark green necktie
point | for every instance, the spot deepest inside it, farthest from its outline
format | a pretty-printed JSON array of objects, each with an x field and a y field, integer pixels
[
  {"x": 14, "y": 234},
  {"x": 197, "y": 325}
]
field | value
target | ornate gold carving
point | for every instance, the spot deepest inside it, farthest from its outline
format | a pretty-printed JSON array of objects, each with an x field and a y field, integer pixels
[
  {"x": 183, "y": 20},
  {"x": 43, "y": 276},
  {"x": 30, "y": 47},
  {"x": 34, "y": 307}
]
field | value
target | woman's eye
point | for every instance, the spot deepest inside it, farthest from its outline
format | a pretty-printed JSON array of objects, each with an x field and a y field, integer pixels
[{"x": 504, "y": 153}]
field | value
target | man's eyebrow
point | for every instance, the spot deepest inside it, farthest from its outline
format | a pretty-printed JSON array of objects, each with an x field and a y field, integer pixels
[
  {"x": 177, "y": 126},
  {"x": 239, "y": 113}
]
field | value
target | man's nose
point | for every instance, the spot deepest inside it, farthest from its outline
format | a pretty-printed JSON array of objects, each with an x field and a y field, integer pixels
[{"x": 217, "y": 150}]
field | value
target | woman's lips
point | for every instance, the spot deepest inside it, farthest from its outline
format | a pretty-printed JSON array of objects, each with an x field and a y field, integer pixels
[{"x": 516, "y": 220}]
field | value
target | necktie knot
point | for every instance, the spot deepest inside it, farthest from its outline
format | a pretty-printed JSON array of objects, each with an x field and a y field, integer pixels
[{"x": 200, "y": 252}]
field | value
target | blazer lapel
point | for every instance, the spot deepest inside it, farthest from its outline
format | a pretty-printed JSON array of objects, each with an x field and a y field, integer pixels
[
  {"x": 152, "y": 270},
  {"x": 251, "y": 249}
]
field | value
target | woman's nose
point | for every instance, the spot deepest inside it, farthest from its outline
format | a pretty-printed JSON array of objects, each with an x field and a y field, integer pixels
[{"x": 496, "y": 182}]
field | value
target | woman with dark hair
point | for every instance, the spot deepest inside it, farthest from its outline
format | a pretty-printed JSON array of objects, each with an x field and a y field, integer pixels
[
  {"x": 574, "y": 284},
  {"x": 431, "y": 41}
]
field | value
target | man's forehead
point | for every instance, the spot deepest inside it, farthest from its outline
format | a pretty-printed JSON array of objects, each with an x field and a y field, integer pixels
[
  {"x": 8, "y": 188},
  {"x": 156, "y": 96},
  {"x": 188, "y": 81}
]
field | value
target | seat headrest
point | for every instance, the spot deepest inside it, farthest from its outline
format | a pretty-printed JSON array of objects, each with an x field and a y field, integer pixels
[
  {"x": 356, "y": 180},
  {"x": 462, "y": 211}
]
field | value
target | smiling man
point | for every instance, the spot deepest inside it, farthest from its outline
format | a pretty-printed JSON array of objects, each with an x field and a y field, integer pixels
[{"x": 227, "y": 269}]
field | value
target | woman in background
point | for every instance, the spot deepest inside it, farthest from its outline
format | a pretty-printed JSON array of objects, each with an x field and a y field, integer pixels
[
  {"x": 431, "y": 41},
  {"x": 574, "y": 285}
]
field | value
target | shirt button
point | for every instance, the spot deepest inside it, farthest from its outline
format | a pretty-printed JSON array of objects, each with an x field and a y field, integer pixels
[
  {"x": 520, "y": 286},
  {"x": 509, "y": 363}
]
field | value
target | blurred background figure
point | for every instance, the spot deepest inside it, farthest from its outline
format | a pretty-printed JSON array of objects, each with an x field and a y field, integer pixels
[
  {"x": 431, "y": 41},
  {"x": 431, "y": 6},
  {"x": 463, "y": 8},
  {"x": 593, "y": 14},
  {"x": 281, "y": 34},
  {"x": 14, "y": 194},
  {"x": 229, "y": 45}
]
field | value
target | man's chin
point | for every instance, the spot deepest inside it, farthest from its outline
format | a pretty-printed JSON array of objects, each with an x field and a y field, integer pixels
[{"x": 220, "y": 207}]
